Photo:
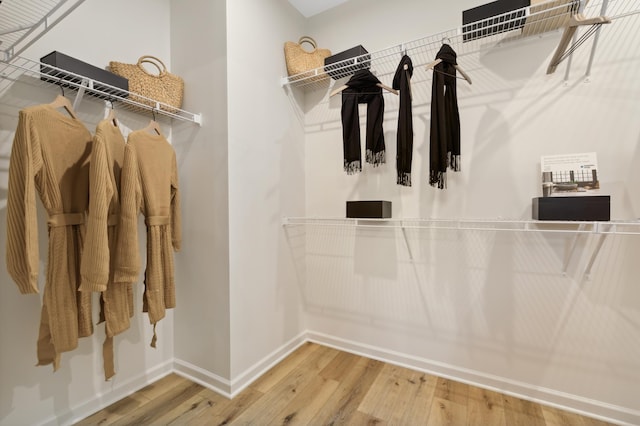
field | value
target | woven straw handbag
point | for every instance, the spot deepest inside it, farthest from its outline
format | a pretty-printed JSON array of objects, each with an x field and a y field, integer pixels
[
  {"x": 163, "y": 87},
  {"x": 300, "y": 60}
]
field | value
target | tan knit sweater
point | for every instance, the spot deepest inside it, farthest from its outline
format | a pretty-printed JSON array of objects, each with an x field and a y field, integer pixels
[
  {"x": 107, "y": 155},
  {"x": 150, "y": 185},
  {"x": 50, "y": 156},
  {"x": 98, "y": 259}
]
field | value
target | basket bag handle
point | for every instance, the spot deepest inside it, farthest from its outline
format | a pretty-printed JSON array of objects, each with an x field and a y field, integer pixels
[
  {"x": 307, "y": 39},
  {"x": 148, "y": 59}
]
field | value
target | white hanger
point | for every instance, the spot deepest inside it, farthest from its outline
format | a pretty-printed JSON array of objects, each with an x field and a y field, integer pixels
[
  {"x": 153, "y": 125},
  {"x": 112, "y": 115},
  {"x": 575, "y": 21},
  {"x": 430, "y": 66},
  {"x": 61, "y": 102}
]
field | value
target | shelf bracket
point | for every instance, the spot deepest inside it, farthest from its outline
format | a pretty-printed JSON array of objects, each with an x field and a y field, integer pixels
[
  {"x": 596, "y": 37},
  {"x": 406, "y": 242},
  {"x": 572, "y": 250},
  {"x": 594, "y": 255},
  {"x": 86, "y": 83}
]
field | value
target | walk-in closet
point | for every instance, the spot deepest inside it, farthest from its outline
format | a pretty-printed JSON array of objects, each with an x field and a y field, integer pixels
[{"x": 239, "y": 244}]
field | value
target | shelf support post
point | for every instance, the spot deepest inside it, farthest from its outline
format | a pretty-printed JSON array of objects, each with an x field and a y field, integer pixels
[
  {"x": 574, "y": 244},
  {"x": 594, "y": 255},
  {"x": 603, "y": 10},
  {"x": 406, "y": 242},
  {"x": 81, "y": 89}
]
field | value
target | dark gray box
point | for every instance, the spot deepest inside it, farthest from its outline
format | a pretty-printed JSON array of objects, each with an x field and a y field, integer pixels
[
  {"x": 587, "y": 208},
  {"x": 472, "y": 29},
  {"x": 373, "y": 209},
  {"x": 337, "y": 68},
  {"x": 75, "y": 66}
]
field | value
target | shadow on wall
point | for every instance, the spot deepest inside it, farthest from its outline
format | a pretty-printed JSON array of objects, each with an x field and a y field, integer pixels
[
  {"x": 634, "y": 176},
  {"x": 492, "y": 148},
  {"x": 498, "y": 297},
  {"x": 19, "y": 323},
  {"x": 507, "y": 62}
]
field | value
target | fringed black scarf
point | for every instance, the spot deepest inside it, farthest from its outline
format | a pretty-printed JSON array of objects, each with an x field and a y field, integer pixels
[
  {"x": 362, "y": 89},
  {"x": 404, "y": 152},
  {"x": 445, "y": 119}
]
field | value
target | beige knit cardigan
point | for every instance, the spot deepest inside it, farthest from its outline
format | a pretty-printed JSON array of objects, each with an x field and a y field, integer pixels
[
  {"x": 50, "y": 156},
  {"x": 150, "y": 185},
  {"x": 98, "y": 256}
]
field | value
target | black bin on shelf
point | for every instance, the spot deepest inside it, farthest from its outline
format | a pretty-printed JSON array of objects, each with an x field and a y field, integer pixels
[
  {"x": 337, "y": 68},
  {"x": 70, "y": 66},
  {"x": 476, "y": 23},
  {"x": 581, "y": 208},
  {"x": 370, "y": 209}
]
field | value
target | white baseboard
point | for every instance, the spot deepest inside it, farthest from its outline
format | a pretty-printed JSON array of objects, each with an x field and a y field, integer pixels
[
  {"x": 118, "y": 392},
  {"x": 230, "y": 388},
  {"x": 564, "y": 401},
  {"x": 203, "y": 377},
  {"x": 258, "y": 369}
]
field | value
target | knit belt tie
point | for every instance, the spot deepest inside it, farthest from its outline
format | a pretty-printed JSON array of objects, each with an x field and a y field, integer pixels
[
  {"x": 65, "y": 219},
  {"x": 157, "y": 220}
]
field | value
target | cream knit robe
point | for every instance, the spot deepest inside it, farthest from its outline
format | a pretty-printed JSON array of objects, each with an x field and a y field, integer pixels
[
  {"x": 50, "y": 155},
  {"x": 98, "y": 256},
  {"x": 150, "y": 185}
]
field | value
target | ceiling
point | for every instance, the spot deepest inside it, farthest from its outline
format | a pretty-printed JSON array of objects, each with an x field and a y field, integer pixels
[{"x": 312, "y": 7}]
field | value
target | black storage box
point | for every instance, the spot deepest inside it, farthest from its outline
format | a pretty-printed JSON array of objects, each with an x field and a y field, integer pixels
[
  {"x": 472, "y": 29},
  {"x": 336, "y": 68},
  {"x": 67, "y": 63},
  {"x": 369, "y": 209},
  {"x": 588, "y": 207}
]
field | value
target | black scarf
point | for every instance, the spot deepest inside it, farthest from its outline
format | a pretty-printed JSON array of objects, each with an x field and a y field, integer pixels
[
  {"x": 404, "y": 151},
  {"x": 362, "y": 89},
  {"x": 445, "y": 119}
]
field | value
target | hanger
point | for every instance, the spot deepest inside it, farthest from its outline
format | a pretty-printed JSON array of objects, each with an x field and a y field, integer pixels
[
  {"x": 61, "y": 102},
  {"x": 112, "y": 114},
  {"x": 385, "y": 87},
  {"x": 575, "y": 21},
  {"x": 431, "y": 66},
  {"x": 153, "y": 125}
]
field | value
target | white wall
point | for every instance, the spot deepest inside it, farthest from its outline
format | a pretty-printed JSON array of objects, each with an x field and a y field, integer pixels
[
  {"x": 96, "y": 32},
  {"x": 202, "y": 267},
  {"x": 484, "y": 307},
  {"x": 266, "y": 182}
]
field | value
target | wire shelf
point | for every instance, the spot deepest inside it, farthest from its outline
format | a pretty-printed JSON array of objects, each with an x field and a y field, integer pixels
[
  {"x": 545, "y": 226},
  {"x": 36, "y": 73},
  {"x": 471, "y": 38},
  {"x": 22, "y": 22}
]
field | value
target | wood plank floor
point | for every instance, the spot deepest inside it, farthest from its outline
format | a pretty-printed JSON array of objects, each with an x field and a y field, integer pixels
[{"x": 317, "y": 385}]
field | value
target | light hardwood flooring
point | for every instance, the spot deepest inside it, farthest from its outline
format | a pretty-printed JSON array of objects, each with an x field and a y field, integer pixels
[{"x": 317, "y": 385}]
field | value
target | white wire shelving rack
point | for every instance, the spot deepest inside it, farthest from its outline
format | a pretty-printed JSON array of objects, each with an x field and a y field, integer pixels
[
  {"x": 576, "y": 229},
  {"x": 546, "y": 226},
  {"x": 22, "y": 22},
  {"x": 476, "y": 37},
  {"x": 36, "y": 73}
]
